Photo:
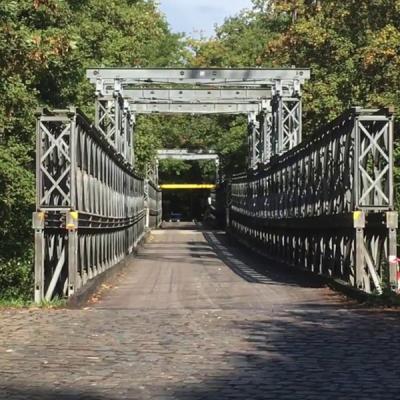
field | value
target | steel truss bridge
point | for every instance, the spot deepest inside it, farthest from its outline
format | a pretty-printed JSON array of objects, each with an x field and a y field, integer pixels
[{"x": 324, "y": 204}]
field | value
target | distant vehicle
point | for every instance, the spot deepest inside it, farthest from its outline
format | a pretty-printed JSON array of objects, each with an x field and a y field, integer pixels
[{"x": 175, "y": 217}]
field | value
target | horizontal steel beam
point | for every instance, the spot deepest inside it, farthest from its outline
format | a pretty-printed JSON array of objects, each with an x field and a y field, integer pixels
[
  {"x": 187, "y": 186},
  {"x": 194, "y": 108},
  {"x": 198, "y": 95},
  {"x": 214, "y": 76},
  {"x": 188, "y": 157},
  {"x": 183, "y": 154},
  {"x": 186, "y": 151}
]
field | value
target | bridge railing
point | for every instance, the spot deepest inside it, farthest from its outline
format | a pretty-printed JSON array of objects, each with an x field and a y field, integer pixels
[
  {"x": 217, "y": 210},
  {"x": 153, "y": 201},
  {"x": 327, "y": 204},
  {"x": 90, "y": 204}
]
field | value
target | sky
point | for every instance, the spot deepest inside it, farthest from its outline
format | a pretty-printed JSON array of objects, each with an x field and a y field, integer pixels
[{"x": 198, "y": 17}]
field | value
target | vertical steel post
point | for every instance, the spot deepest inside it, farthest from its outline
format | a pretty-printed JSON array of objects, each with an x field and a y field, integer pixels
[
  {"x": 38, "y": 222},
  {"x": 359, "y": 262},
  {"x": 217, "y": 177},
  {"x": 392, "y": 226},
  {"x": 147, "y": 203},
  {"x": 132, "y": 138},
  {"x": 72, "y": 226},
  {"x": 72, "y": 215},
  {"x": 276, "y": 105},
  {"x": 38, "y": 226},
  {"x": 254, "y": 140},
  {"x": 118, "y": 114},
  {"x": 286, "y": 119},
  {"x": 266, "y": 132}
]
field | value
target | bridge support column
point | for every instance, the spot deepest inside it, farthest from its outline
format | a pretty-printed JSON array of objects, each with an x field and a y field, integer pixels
[
  {"x": 114, "y": 119},
  {"x": 266, "y": 132},
  {"x": 254, "y": 141},
  {"x": 105, "y": 115},
  {"x": 286, "y": 119}
]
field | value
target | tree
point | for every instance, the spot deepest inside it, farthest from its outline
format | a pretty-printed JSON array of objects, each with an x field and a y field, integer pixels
[
  {"x": 351, "y": 47},
  {"x": 45, "y": 47}
]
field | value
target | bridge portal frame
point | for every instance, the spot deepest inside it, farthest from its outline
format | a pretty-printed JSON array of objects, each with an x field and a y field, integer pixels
[
  {"x": 191, "y": 155},
  {"x": 270, "y": 97}
]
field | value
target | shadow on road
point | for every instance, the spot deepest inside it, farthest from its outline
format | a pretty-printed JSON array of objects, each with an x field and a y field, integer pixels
[
  {"x": 303, "y": 350},
  {"x": 255, "y": 268},
  {"x": 310, "y": 354},
  {"x": 305, "y": 353}
]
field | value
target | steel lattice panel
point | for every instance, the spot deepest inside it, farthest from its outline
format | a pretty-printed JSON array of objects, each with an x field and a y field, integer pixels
[
  {"x": 90, "y": 205},
  {"x": 327, "y": 204}
]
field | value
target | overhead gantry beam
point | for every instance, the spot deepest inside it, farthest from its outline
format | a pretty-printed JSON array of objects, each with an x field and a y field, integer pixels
[
  {"x": 184, "y": 154},
  {"x": 194, "y": 108},
  {"x": 199, "y": 76},
  {"x": 187, "y": 155},
  {"x": 270, "y": 97},
  {"x": 194, "y": 95},
  {"x": 143, "y": 95}
]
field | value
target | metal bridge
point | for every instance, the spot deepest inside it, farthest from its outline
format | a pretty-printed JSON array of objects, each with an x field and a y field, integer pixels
[{"x": 323, "y": 204}]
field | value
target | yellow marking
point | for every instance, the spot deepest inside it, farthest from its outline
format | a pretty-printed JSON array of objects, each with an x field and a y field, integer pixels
[
  {"x": 357, "y": 215},
  {"x": 171, "y": 186},
  {"x": 73, "y": 216}
]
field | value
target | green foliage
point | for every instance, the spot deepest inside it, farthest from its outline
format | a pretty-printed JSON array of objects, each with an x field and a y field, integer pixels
[
  {"x": 352, "y": 48},
  {"x": 16, "y": 280},
  {"x": 238, "y": 42},
  {"x": 224, "y": 134},
  {"x": 45, "y": 47},
  {"x": 16, "y": 199},
  {"x": 174, "y": 171}
]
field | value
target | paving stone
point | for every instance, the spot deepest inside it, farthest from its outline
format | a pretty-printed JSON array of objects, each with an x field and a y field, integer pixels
[{"x": 183, "y": 327}]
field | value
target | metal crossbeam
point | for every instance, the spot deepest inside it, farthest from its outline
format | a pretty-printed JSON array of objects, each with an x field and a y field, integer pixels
[
  {"x": 194, "y": 95},
  {"x": 195, "y": 108},
  {"x": 199, "y": 76},
  {"x": 184, "y": 154},
  {"x": 187, "y": 186}
]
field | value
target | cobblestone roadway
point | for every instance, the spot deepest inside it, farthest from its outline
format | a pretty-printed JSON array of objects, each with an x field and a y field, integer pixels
[{"x": 182, "y": 325}]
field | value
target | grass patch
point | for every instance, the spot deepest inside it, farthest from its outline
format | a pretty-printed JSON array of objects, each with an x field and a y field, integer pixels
[{"x": 20, "y": 303}]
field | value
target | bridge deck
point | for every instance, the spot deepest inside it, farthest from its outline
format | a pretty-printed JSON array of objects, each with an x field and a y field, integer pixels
[
  {"x": 185, "y": 268},
  {"x": 193, "y": 318}
]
